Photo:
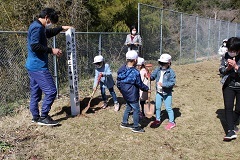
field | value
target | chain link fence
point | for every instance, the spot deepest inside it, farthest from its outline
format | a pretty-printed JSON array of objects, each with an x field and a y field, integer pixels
[
  {"x": 14, "y": 86},
  {"x": 186, "y": 37}
]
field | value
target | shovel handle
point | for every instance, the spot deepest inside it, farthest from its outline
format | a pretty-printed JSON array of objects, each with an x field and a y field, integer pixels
[{"x": 94, "y": 91}]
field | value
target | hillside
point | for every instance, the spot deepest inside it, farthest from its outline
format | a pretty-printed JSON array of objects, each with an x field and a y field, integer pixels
[
  {"x": 108, "y": 15},
  {"x": 198, "y": 107}
]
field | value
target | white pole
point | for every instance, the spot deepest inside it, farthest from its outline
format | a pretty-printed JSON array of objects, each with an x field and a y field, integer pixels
[{"x": 72, "y": 71}]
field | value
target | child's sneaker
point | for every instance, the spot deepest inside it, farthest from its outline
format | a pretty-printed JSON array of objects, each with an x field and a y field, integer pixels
[
  {"x": 170, "y": 125},
  {"x": 155, "y": 124},
  {"x": 104, "y": 105},
  {"x": 138, "y": 130},
  {"x": 230, "y": 135},
  {"x": 116, "y": 107},
  {"x": 126, "y": 125}
]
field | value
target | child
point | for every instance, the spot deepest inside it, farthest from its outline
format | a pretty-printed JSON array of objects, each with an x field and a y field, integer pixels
[
  {"x": 223, "y": 49},
  {"x": 129, "y": 82},
  {"x": 103, "y": 70},
  {"x": 165, "y": 80},
  {"x": 143, "y": 73}
]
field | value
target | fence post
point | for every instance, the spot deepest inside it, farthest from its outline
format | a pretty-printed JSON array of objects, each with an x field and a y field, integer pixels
[
  {"x": 228, "y": 29},
  {"x": 236, "y": 30},
  {"x": 139, "y": 18},
  {"x": 196, "y": 41},
  {"x": 139, "y": 51},
  {"x": 180, "y": 38},
  {"x": 100, "y": 44},
  {"x": 209, "y": 32},
  {"x": 219, "y": 33},
  {"x": 55, "y": 67},
  {"x": 161, "y": 32}
]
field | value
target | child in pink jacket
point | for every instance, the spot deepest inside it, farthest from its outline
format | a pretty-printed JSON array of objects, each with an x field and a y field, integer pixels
[{"x": 143, "y": 95}]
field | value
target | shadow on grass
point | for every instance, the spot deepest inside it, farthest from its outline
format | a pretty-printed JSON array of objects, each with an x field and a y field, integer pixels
[
  {"x": 144, "y": 122},
  {"x": 164, "y": 114},
  {"x": 94, "y": 107},
  {"x": 98, "y": 100},
  {"x": 221, "y": 115}
]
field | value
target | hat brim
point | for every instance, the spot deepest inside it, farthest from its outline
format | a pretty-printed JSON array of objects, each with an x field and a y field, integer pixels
[
  {"x": 159, "y": 60},
  {"x": 96, "y": 62}
]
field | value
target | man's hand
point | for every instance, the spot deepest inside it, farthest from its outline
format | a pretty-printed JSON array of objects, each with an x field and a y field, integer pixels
[
  {"x": 66, "y": 27},
  {"x": 57, "y": 52}
]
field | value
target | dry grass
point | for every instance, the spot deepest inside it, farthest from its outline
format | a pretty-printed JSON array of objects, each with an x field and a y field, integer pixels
[{"x": 198, "y": 106}]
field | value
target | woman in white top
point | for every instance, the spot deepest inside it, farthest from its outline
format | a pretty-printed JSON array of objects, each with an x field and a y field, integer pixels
[{"x": 133, "y": 40}]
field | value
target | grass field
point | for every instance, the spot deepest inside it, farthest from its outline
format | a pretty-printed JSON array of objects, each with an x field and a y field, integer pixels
[{"x": 198, "y": 107}]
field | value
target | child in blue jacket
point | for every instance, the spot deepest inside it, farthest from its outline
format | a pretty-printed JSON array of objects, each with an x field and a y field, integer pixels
[
  {"x": 129, "y": 82},
  {"x": 165, "y": 80},
  {"x": 103, "y": 70}
]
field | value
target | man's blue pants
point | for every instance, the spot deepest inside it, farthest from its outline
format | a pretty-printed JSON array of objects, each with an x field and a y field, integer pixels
[{"x": 41, "y": 81}]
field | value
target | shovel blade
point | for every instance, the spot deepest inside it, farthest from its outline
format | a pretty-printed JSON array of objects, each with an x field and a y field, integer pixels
[{"x": 149, "y": 110}]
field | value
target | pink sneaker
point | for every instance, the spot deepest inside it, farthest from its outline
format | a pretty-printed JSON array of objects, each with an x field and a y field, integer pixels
[{"x": 170, "y": 125}]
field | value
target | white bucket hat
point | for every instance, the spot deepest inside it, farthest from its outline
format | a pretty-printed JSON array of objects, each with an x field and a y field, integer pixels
[
  {"x": 98, "y": 59},
  {"x": 165, "y": 58},
  {"x": 140, "y": 61},
  {"x": 131, "y": 54}
]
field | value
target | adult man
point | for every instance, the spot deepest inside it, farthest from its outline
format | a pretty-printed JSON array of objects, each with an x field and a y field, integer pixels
[{"x": 37, "y": 64}]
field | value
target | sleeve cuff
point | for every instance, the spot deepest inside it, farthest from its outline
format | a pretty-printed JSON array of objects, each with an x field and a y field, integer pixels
[{"x": 49, "y": 50}]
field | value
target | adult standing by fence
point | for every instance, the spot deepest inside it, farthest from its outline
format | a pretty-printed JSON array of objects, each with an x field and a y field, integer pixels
[
  {"x": 37, "y": 64},
  {"x": 230, "y": 72},
  {"x": 133, "y": 40}
]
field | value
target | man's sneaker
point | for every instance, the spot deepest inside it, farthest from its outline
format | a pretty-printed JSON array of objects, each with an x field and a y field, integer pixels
[
  {"x": 230, "y": 135},
  {"x": 126, "y": 125},
  {"x": 116, "y": 107},
  {"x": 170, "y": 125},
  {"x": 138, "y": 130},
  {"x": 104, "y": 105},
  {"x": 35, "y": 119},
  {"x": 47, "y": 121},
  {"x": 155, "y": 124}
]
